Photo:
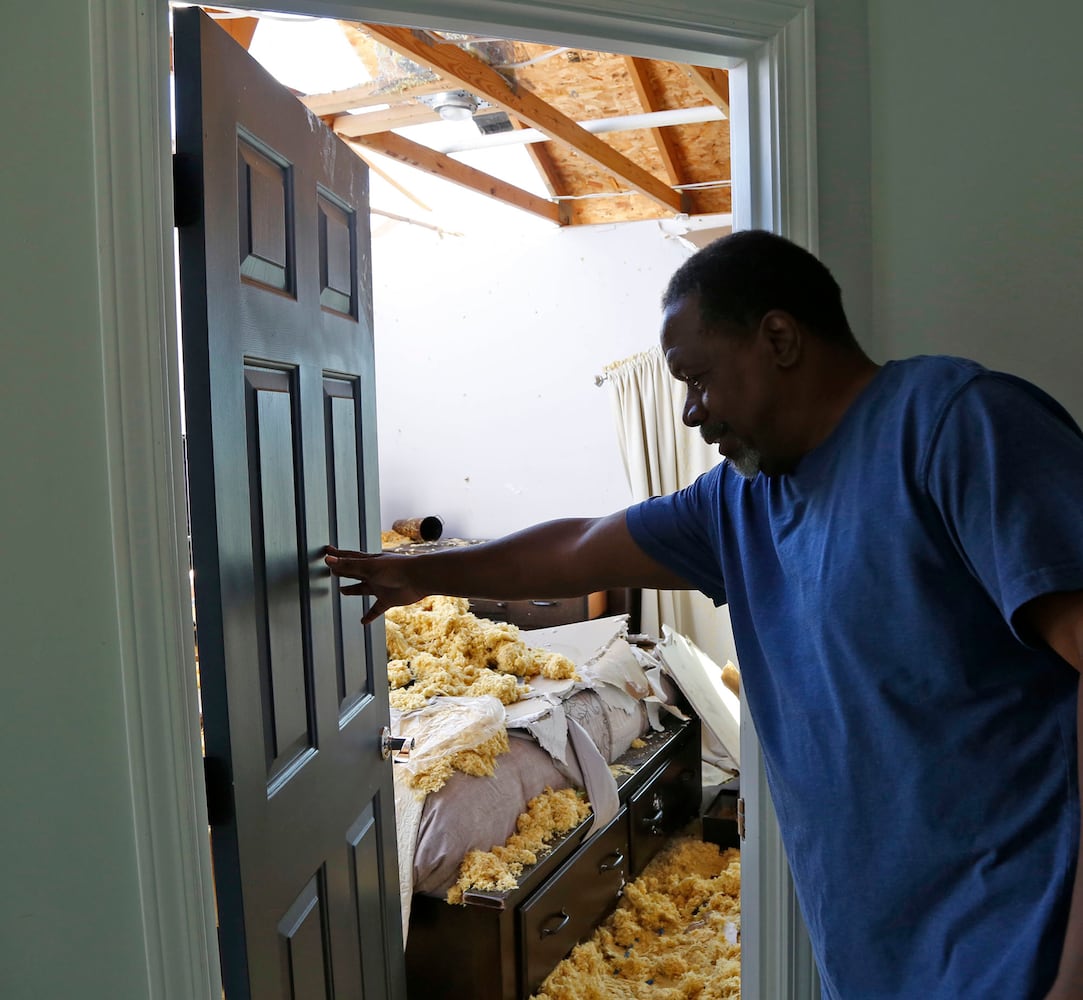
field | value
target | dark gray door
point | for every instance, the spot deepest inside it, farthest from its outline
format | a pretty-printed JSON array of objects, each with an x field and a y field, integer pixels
[{"x": 277, "y": 334}]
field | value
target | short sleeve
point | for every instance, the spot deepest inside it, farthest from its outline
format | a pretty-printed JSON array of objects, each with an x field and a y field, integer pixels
[
  {"x": 681, "y": 531},
  {"x": 1005, "y": 468}
]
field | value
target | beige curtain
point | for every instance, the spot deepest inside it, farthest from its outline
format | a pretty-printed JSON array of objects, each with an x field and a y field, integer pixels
[{"x": 660, "y": 456}]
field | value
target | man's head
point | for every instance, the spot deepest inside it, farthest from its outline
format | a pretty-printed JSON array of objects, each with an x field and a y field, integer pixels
[
  {"x": 741, "y": 277},
  {"x": 754, "y": 327}
]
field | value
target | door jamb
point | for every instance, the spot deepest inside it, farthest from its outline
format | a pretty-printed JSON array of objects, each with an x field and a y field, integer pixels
[{"x": 769, "y": 47}]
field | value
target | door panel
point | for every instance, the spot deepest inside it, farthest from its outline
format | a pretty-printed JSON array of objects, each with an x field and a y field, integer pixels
[
  {"x": 303, "y": 933},
  {"x": 341, "y": 405},
  {"x": 282, "y": 622},
  {"x": 280, "y": 411}
]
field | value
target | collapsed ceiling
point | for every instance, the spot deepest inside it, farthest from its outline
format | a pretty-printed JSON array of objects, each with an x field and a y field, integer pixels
[{"x": 614, "y": 138}]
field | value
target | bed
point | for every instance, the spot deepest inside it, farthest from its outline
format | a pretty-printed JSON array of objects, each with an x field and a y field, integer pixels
[{"x": 615, "y": 733}]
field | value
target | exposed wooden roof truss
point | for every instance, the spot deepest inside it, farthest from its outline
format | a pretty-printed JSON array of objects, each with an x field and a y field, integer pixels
[{"x": 614, "y": 138}]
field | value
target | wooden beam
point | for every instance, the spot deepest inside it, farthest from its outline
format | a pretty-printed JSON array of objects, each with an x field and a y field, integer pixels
[
  {"x": 543, "y": 163},
  {"x": 648, "y": 98},
  {"x": 423, "y": 158},
  {"x": 372, "y": 122},
  {"x": 715, "y": 84},
  {"x": 470, "y": 73},
  {"x": 368, "y": 94},
  {"x": 240, "y": 29},
  {"x": 371, "y": 163}
]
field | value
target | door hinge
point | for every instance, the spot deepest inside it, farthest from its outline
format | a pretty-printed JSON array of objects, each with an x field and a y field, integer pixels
[
  {"x": 741, "y": 818},
  {"x": 219, "y": 791},
  {"x": 187, "y": 190}
]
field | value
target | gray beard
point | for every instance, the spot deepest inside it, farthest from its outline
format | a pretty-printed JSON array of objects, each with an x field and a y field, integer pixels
[{"x": 747, "y": 462}]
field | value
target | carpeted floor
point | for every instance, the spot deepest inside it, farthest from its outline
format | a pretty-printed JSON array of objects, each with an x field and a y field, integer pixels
[{"x": 674, "y": 935}]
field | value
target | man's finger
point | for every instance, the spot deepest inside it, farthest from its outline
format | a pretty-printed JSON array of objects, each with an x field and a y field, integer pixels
[
  {"x": 375, "y": 611},
  {"x": 342, "y": 555},
  {"x": 342, "y": 567}
]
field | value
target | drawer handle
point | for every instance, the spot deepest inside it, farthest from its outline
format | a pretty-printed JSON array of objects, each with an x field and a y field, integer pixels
[
  {"x": 607, "y": 866},
  {"x": 563, "y": 919},
  {"x": 544, "y": 604},
  {"x": 652, "y": 823}
]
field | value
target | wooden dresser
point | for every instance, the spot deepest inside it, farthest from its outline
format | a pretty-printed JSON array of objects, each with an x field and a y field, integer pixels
[
  {"x": 530, "y": 614},
  {"x": 541, "y": 613},
  {"x": 500, "y": 946}
]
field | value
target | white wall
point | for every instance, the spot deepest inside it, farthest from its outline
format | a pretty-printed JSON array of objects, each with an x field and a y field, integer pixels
[{"x": 487, "y": 346}]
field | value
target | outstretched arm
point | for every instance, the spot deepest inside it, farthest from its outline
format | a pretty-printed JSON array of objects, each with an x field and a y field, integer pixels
[
  {"x": 563, "y": 558},
  {"x": 1058, "y": 619}
]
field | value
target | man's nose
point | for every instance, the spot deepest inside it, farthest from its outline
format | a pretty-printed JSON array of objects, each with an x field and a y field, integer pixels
[{"x": 694, "y": 413}]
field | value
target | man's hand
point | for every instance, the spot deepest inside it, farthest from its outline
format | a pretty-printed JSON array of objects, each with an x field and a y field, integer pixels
[{"x": 383, "y": 575}]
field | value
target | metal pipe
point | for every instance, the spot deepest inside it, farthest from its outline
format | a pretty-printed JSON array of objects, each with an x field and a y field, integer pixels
[{"x": 619, "y": 123}]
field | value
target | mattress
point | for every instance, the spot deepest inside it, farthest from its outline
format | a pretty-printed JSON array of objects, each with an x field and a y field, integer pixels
[
  {"x": 564, "y": 735},
  {"x": 476, "y": 813}
]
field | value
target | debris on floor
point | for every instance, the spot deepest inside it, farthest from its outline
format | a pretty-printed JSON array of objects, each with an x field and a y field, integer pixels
[{"x": 674, "y": 935}]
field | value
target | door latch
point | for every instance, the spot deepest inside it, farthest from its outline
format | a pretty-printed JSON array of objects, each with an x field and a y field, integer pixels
[{"x": 394, "y": 744}]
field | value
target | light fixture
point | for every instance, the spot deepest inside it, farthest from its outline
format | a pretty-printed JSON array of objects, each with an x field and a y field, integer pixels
[{"x": 454, "y": 105}]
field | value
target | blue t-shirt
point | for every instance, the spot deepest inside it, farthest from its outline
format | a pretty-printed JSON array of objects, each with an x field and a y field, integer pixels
[{"x": 920, "y": 748}]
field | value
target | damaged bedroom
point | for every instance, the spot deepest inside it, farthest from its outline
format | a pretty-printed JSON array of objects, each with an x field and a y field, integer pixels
[
  {"x": 550, "y": 801},
  {"x": 284, "y": 278}
]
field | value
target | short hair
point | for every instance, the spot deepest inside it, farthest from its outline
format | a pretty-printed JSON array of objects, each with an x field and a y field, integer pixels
[{"x": 741, "y": 277}]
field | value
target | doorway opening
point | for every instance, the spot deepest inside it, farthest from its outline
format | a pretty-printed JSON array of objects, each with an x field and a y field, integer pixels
[
  {"x": 600, "y": 212},
  {"x": 506, "y": 273},
  {"x": 768, "y": 49}
]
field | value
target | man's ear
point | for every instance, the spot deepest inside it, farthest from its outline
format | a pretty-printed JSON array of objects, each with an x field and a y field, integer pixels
[{"x": 783, "y": 336}]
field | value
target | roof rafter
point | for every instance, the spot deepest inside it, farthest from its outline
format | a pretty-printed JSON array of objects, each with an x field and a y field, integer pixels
[
  {"x": 547, "y": 170},
  {"x": 667, "y": 147},
  {"x": 714, "y": 83},
  {"x": 372, "y": 122},
  {"x": 466, "y": 71},
  {"x": 336, "y": 102},
  {"x": 423, "y": 158},
  {"x": 240, "y": 29}
]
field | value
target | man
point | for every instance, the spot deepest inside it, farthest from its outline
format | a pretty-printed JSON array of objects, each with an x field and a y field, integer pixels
[{"x": 901, "y": 553}]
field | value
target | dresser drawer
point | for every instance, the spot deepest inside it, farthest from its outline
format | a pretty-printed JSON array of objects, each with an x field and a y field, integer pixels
[
  {"x": 665, "y": 803},
  {"x": 569, "y": 906},
  {"x": 540, "y": 613}
]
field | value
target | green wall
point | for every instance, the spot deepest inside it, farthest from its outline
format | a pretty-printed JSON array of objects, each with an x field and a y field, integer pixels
[
  {"x": 70, "y": 919},
  {"x": 952, "y": 129},
  {"x": 70, "y": 925},
  {"x": 977, "y": 181}
]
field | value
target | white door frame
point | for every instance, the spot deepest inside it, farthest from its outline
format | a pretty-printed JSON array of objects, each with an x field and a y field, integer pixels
[{"x": 769, "y": 47}]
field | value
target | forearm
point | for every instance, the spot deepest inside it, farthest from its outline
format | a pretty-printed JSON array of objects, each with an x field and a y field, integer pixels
[
  {"x": 1058, "y": 619},
  {"x": 1069, "y": 984},
  {"x": 562, "y": 558},
  {"x": 535, "y": 562}
]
